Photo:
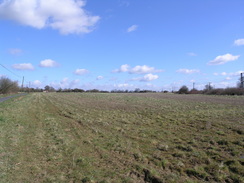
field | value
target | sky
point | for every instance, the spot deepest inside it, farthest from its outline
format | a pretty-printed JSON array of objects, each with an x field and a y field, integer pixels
[{"x": 122, "y": 44}]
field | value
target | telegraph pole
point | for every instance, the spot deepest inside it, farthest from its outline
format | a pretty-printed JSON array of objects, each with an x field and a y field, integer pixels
[
  {"x": 193, "y": 86},
  {"x": 23, "y": 83},
  {"x": 29, "y": 87},
  {"x": 242, "y": 80}
]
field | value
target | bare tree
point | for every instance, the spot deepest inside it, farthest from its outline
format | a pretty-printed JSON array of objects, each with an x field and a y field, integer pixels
[{"x": 8, "y": 86}]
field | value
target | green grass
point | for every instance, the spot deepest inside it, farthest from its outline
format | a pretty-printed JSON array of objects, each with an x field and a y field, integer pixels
[{"x": 73, "y": 137}]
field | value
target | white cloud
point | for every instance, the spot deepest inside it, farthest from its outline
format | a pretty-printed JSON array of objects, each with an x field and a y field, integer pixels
[
  {"x": 15, "y": 51},
  {"x": 143, "y": 70},
  {"x": 37, "y": 83},
  {"x": 99, "y": 77},
  {"x": 222, "y": 59},
  {"x": 239, "y": 42},
  {"x": 139, "y": 69},
  {"x": 149, "y": 77},
  {"x": 188, "y": 71},
  {"x": 123, "y": 68},
  {"x": 146, "y": 78},
  {"x": 67, "y": 16},
  {"x": 192, "y": 54},
  {"x": 24, "y": 66},
  {"x": 132, "y": 28},
  {"x": 48, "y": 63},
  {"x": 81, "y": 71}
]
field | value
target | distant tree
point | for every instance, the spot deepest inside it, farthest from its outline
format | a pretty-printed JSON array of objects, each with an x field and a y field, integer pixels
[
  {"x": 183, "y": 90},
  {"x": 52, "y": 89},
  {"x": 59, "y": 90},
  {"x": 47, "y": 88},
  {"x": 137, "y": 90},
  {"x": 209, "y": 87}
]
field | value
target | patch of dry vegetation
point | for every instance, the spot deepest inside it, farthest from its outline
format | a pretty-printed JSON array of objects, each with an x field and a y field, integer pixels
[{"x": 72, "y": 137}]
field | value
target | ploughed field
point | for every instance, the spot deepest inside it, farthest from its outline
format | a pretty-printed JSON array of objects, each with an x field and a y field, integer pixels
[{"x": 87, "y": 137}]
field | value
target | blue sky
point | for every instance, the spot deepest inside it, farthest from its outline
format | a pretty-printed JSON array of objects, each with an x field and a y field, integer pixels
[{"x": 122, "y": 44}]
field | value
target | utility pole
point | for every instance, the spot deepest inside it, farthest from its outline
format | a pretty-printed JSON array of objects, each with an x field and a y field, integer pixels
[
  {"x": 22, "y": 83},
  {"x": 209, "y": 85},
  {"x": 193, "y": 86},
  {"x": 242, "y": 80}
]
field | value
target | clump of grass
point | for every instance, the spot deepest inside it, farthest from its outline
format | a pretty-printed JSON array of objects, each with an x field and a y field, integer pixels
[
  {"x": 165, "y": 163},
  {"x": 235, "y": 167},
  {"x": 196, "y": 173},
  {"x": 162, "y": 147},
  {"x": 223, "y": 142}
]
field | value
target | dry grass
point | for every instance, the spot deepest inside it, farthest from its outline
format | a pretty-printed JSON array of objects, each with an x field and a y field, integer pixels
[{"x": 58, "y": 137}]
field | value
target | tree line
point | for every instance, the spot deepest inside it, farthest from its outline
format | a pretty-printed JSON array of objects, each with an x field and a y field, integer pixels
[{"x": 9, "y": 86}]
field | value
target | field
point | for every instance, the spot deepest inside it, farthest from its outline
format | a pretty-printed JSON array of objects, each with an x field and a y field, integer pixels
[{"x": 87, "y": 137}]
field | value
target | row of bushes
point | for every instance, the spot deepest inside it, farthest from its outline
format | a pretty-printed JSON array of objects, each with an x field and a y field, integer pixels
[
  {"x": 226, "y": 91},
  {"x": 218, "y": 91}
]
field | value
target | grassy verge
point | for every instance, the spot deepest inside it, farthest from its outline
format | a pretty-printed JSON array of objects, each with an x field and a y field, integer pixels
[{"x": 121, "y": 138}]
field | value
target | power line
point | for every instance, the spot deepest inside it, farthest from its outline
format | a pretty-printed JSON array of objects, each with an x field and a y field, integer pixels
[{"x": 10, "y": 71}]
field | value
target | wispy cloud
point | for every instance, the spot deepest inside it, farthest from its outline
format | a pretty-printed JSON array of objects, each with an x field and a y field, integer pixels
[
  {"x": 81, "y": 71},
  {"x": 124, "y": 3},
  {"x": 188, "y": 71},
  {"x": 222, "y": 59},
  {"x": 67, "y": 16},
  {"x": 239, "y": 42},
  {"x": 100, "y": 77},
  {"x": 15, "y": 51},
  {"x": 66, "y": 83},
  {"x": 132, "y": 28},
  {"x": 237, "y": 73},
  {"x": 192, "y": 54},
  {"x": 48, "y": 63},
  {"x": 23, "y": 66}
]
